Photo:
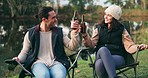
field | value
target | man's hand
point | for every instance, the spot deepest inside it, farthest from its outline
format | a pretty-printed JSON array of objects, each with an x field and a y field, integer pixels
[
  {"x": 142, "y": 46},
  {"x": 75, "y": 26},
  {"x": 17, "y": 59}
]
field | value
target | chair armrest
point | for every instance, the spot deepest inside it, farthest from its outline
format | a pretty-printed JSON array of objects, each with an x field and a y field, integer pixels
[
  {"x": 14, "y": 62},
  {"x": 74, "y": 57},
  {"x": 11, "y": 64},
  {"x": 136, "y": 57},
  {"x": 129, "y": 65}
]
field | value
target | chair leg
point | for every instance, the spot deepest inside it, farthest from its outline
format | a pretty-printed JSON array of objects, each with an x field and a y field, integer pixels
[
  {"x": 135, "y": 71},
  {"x": 95, "y": 74},
  {"x": 92, "y": 65},
  {"x": 68, "y": 74},
  {"x": 73, "y": 71},
  {"x": 124, "y": 74}
]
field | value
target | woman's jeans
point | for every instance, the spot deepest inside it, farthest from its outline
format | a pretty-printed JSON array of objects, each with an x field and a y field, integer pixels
[
  {"x": 105, "y": 65},
  {"x": 40, "y": 70}
]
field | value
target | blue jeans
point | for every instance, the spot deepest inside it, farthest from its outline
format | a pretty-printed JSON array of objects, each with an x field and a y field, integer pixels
[
  {"x": 40, "y": 70},
  {"x": 105, "y": 65}
]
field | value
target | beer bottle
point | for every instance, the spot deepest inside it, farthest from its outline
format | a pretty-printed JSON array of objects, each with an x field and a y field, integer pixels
[
  {"x": 83, "y": 26},
  {"x": 75, "y": 17}
]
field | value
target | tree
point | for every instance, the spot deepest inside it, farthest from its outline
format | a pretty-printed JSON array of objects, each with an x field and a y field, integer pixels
[
  {"x": 80, "y": 5},
  {"x": 130, "y": 4},
  {"x": 143, "y": 4},
  {"x": 21, "y": 7},
  {"x": 12, "y": 7}
]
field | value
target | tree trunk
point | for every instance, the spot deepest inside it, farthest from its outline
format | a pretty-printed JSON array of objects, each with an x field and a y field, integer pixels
[{"x": 11, "y": 4}]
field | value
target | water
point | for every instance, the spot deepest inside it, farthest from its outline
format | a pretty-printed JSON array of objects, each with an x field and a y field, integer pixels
[
  {"x": 13, "y": 31},
  {"x": 11, "y": 37}
]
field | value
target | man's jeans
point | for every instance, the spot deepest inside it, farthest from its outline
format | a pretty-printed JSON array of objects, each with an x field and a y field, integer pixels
[{"x": 40, "y": 70}]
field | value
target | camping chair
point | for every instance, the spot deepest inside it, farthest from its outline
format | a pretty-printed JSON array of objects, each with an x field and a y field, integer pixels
[
  {"x": 132, "y": 65},
  {"x": 13, "y": 63},
  {"x": 74, "y": 58},
  {"x": 85, "y": 54},
  {"x": 73, "y": 65}
]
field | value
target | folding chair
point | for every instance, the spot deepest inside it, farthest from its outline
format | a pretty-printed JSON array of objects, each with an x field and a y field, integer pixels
[
  {"x": 73, "y": 58},
  {"x": 133, "y": 63},
  {"x": 91, "y": 64},
  {"x": 85, "y": 54},
  {"x": 13, "y": 63},
  {"x": 73, "y": 66}
]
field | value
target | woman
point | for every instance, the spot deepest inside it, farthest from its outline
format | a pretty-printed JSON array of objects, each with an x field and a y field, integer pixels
[{"x": 112, "y": 43}]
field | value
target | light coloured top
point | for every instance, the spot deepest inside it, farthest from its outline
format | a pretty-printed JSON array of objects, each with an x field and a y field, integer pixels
[
  {"x": 129, "y": 45},
  {"x": 45, "y": 50}
]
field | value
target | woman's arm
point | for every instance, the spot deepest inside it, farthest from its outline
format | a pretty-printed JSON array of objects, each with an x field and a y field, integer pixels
[
  {"x": 129, "y": 45},
  {"x": 91, "y": 42}
]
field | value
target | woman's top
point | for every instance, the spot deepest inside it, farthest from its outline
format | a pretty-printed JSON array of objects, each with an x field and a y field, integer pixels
[{"x": 127, "y": 41}]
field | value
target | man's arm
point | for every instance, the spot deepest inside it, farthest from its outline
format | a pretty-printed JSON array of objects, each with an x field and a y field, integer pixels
[{"x": 26, "y": 46}]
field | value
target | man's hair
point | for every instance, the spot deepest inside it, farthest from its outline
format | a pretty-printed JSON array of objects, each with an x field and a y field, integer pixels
[{"x": 43, "y": 12}]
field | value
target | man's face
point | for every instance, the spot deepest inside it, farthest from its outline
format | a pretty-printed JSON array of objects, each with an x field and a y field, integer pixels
[{"x": 52, "y": 19}]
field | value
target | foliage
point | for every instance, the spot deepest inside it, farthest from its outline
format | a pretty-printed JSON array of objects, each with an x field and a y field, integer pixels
[
  {"x": 142, "y": 35},
  {"x": 129, "y": 4},
  {"x": 21, "y": 7},
  {"x": 14, "y": 8},
  {"x": 66, "y": 13},
  {"x": 79, "y": 5}
]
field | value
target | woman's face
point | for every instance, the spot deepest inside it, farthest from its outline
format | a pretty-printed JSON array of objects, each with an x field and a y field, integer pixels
[{"x": 108, "y": 18}]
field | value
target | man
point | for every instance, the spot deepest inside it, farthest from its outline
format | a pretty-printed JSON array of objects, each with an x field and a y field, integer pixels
[{"x": 43, "y": 49}]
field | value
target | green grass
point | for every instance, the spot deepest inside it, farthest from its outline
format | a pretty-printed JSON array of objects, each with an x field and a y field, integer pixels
[{"x": 84, "y": 70}]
